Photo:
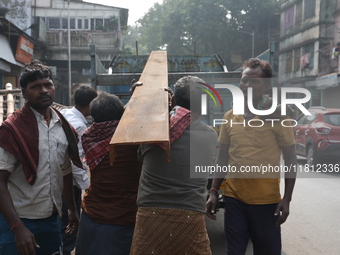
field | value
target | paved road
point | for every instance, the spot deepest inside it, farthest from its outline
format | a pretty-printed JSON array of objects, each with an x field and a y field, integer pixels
[
  {"x": 216, "y": 235},
  {"x": 313, "y": 227}
]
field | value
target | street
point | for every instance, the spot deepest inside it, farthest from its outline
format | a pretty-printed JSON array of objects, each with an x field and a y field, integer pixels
[{"x": 313, "y": 226}]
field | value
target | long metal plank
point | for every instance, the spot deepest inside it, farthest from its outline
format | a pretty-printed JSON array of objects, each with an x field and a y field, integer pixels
[{"x": 146, "y": 116}]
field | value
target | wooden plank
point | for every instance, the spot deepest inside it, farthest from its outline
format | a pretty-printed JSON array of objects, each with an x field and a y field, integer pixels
[
  {"x": 146, "y": 116},
  {"x": 126, "y": 78}
]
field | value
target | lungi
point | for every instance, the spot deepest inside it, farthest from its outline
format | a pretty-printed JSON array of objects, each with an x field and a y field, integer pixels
[{"x": 162, "y": 231}]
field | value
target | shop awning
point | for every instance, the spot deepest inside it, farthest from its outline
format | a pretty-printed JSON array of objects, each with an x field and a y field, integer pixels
[{"x": 6, "y": 53}]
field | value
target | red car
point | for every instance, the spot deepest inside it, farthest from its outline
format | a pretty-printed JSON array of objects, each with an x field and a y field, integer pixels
[{"x": 317, "y": 136}]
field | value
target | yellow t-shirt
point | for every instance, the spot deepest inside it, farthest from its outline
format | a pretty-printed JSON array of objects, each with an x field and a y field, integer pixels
[{"x": 253, "y": 150}]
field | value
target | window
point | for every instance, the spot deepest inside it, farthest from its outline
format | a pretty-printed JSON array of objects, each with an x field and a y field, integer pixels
[
  {"x": 297, "y": 58},
  {"x": 60, "y": 23},
  {"x": 86, "y": 24},
  {"x": 310, "y": 118},
  {"x": 111, "y": 24},
  {"x": 289, "y": 17},
  {"x": 289, "y": 62},
  {"x": 92, "y": 24},
  {"x": 306, "y": 119},
  {"x": 54, "y": 23},
  {"x": 99, "y": 24},
  {"x": 79, "y": 23},
  {"x": 309, "y": 9},
  {"x": 72, "y": 23},
  {"x": 64, "y": 24},
  {"x": 307, "y": 55},
  {"x": 332, "y": 119},
  {"x": 301, "y": 120},
  {"x": 298, "y": 13},
  {"x": 108, "y": 24}
]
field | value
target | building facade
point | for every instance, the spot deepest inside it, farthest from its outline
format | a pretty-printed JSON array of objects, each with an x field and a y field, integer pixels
[
  {"x": 39, "y": 29},
  {"x": 307, "y": 37},
  {"x": 329, "y": 83},
  {"x": 16, "y": 43},
  {"x": 89, "y": 24}
]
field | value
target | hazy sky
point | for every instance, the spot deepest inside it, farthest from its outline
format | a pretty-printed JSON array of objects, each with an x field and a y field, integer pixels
[{"x": 137, "y": 8}]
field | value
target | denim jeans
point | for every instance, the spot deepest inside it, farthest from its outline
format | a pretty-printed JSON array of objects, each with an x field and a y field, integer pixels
[
  {"x": 69, "y": 240},
  {"x": 47, "y": 233},
  {"x": 102, "y": 239}
]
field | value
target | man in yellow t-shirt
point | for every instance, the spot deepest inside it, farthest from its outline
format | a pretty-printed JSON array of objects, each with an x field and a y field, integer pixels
[{"x": 251, "y": 148}]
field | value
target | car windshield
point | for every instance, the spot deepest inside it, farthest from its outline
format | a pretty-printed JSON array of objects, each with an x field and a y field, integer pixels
[{"x": 332, "y": 119}]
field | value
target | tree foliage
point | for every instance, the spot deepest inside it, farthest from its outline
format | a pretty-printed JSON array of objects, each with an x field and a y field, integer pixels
[
  {"x": 207, "y": 26},
  {"x": 131, "y": 36}
]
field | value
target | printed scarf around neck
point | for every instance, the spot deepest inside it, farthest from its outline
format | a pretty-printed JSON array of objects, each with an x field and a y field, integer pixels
[
  {"x": 95, "y": 141},
  {"x": 179, "y": 121},
  {"x": 19, "y": 135}
]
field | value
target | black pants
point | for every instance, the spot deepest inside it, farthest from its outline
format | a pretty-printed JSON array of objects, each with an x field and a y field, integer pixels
[{"x": 257, "y": 222}]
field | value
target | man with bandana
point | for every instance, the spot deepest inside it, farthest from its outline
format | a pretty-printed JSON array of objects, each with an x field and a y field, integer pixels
[{"x": 36, "y": 145}]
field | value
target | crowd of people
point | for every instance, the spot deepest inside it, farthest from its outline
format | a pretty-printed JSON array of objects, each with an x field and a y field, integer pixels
[{"x": 142, "y": 203}]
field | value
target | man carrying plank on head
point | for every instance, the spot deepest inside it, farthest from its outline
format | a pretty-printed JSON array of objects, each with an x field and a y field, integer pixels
[{"x": 171, "y": 204}]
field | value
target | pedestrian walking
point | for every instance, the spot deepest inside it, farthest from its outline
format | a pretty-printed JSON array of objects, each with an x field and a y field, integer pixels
[{"x": 253, "y": 206}]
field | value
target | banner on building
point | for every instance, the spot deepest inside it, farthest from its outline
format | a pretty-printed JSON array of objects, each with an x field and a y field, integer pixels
[
  {"x": 327, "y": 81},
  {"x": 24, "y": 53}
]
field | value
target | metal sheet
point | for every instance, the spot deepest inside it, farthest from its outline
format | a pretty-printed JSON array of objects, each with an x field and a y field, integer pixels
[
  {"x": 146, "y": 117},
  {"x": 4, "y": 66},
  {"x": 6, "y": 51}
]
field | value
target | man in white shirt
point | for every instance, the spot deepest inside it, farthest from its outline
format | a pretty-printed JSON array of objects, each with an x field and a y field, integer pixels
[
  {"x": 36, "y": 145},
  {"x": 76, "y": 116}
]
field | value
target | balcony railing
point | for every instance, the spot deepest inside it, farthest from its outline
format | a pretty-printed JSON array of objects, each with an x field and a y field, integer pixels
[
  {"x": 84, "y": 38},
  {"x": 10, "y": 100}
]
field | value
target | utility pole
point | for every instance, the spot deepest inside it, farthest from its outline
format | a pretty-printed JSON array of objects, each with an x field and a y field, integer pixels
[
  {"x": 253, "y": 40},
  {"x": 69, "y": 53}
]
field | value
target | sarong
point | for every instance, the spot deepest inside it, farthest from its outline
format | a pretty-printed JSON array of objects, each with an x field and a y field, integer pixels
[{"x": 169, "y": 231}]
